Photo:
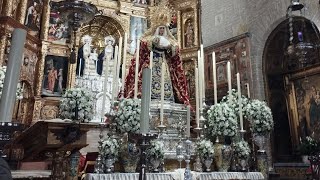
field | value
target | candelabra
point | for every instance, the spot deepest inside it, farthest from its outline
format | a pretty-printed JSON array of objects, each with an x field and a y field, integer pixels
[
  {"x": 202, "y": 114},
  {"x": 98, "y": 168},
  {"x": 198, "y": 164}
]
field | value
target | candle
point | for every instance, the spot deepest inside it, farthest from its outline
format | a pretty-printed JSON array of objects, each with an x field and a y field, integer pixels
[
  {"x": 248, "y": 89},
  {"x": 124, "y": 61},
  {"x": 105, "y": 87},
  {"x": 200, "y": 80},
  {"x": 162, "y": 92},
  {"x": 240, "y": 101},
  {"x": 229, "y": 79},
  {"x": 214, "y": 71},
  {"x": 118, "y": 67},
  {"x": 145, "y": 101},
  {"x": 80, "y": 67},
  {"x": 203, "y": 87},
  {"x": 150, "y": 66},
  {"x": 197, "y": 96},
  {"x": 114, "y": 74},
  {"x": 136, "y": 75},
  {"x": 188, "y": 122}
]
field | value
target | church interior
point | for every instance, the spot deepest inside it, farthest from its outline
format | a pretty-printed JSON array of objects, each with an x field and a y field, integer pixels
[{"x": 159, "y": 89}]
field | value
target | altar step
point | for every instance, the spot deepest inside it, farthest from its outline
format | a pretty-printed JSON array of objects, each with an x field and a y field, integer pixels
[{"x": 291, "y": 171}]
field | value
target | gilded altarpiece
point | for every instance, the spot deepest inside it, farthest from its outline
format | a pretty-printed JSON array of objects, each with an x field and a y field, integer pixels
[{"x": 237, "y": 51}]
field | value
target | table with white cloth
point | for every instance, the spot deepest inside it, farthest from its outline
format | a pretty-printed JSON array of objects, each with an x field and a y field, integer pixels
[{"x": 179, "y": 175}]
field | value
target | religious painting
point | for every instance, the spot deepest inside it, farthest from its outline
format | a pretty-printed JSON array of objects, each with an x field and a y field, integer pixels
[
  {"x": 33, "y": 16},
  {"x": 189, "y": 33},
  {"x": 138, "y": 26},
  {"x": 307, "y": 91},
  {"x": 54, "y": 76},
  {"x": 173, "y": 27},
  {"x": 58, "y": 31},
  {"x": 221, "y": 72}
]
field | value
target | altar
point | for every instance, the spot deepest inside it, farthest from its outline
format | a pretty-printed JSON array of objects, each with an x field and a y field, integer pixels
[{"x": 178, "y": 175}]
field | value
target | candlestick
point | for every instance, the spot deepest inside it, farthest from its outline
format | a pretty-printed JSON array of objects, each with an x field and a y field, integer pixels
[
  {"x": 136, "y": 75},
  {"x": 114, "y": 74},
  {"x": 124, "y": 61},
  {"x": 145, "y": 101},
  {"x": 105, "y": 87},
  {"x": 203, "y": 82},
  {"x": 200, "y": 80},
  {"x": 240, "y": 101},
  {"x": 162, "y": 92},
  {"x": 118, "y": 67},
  {"x": 248, "y": 90},
  {"x": 214, "y": 72},
  {"x": 188, "y": 122},
  {"x": 197, "y": 96},
  {"x": 229, "y": 79}
]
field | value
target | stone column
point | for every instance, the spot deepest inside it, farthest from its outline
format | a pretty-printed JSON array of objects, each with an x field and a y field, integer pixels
[
  {"x": 12, "y": 74},
  {"x": 7, "y": 8},
  {"x": 21, "y": 14}
]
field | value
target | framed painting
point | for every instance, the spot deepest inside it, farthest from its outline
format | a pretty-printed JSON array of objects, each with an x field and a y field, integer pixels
[
  {"x": 307, "y": 102},
  {"x": 33, "y": 16},
  {"x": 58, "y": 32},
  {"x": 222, "y": 72},
  {"x": 55, "y": 76},
  {"x": 138, "y": 26}
]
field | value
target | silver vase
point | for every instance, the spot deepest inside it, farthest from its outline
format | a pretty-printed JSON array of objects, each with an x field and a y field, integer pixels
[
  {"x": 109, "y": 165},
  {"x": 261, "y": 141},
  {"x": 207, "y": 161},
  {"x": 155, "y": 162},
  {"x": 243, "y": 162},
  {"x": 227, "y": 153}
]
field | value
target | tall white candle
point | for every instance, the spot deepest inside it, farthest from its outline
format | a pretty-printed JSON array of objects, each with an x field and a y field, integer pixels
[
  {"x": 145, "y": 101},
  {"x": 203, "y": 81},
  {"x": 229, "y": 78},
  {"x": 114, "y": 74},
  {"x": 197, "y": 96},
  {"x": 106, "y": 68},
  {"x": 150, "y": 66},
  {"x": 118, "y": 67},
  {"x": 162, "y": 92},
  {"x": 248, "y": 89},
  {"x": 124, "y": 61},
  {"x": 214, "y": 72},
  {"x": 240, "y": 101},
  {"x": 188, "y": 122},
  {"x": 200, "y": 80},
  {"x": 136, "y": 75},
  {"x": 80, "y": 66}
]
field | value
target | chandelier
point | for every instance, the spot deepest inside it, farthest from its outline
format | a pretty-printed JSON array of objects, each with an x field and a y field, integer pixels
[{"x": 75, "y": 13}]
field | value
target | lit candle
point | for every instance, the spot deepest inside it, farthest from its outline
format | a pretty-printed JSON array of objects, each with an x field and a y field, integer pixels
[
  {"x": 229, "y": 79},
  {"x": 197, "y": 96},
  {"x": 105, "y": 87},
  {"x": 162, "y": 92},
  {"x": 118, "y": 67},
  {"x": 200, "y": 80},
  {"x": 188, "y": 122},
  {"x": 145, "y": 101},
  {"x": 114, "y": 74},
  {"x": 214, "y": 71},
  {"x": 124, "y": 61},
  {"x": 203, "y": 87},
  {"x": 239, "y": 101},
  {"x": 248, "y": 89},
  {"x": 136, "y": 75}
]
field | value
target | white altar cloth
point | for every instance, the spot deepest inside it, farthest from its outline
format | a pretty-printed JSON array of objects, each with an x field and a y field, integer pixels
[{"x": 178, "y": 175}]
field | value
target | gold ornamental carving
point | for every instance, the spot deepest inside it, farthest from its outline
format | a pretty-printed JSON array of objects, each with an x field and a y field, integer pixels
[
  {"x": 49, "y": 112},
  {"x": 36, "y": 110}
]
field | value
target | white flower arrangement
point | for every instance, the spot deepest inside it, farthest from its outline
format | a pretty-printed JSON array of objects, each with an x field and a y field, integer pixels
[
  {"x": 77, "y": 97},
  {"x": 156, "y": 150},
  {"x": 233, "y": 100},
  {"x": 110, "y": 147},
  {"x": 222, "y": 120},
  {"x": 127, "y": 116},
  {"x": 242, "y": 149},
  {"x": 260, "y": 116},
  {"x": 205, "y": 148},
  {"x": 19, "y": 93}
]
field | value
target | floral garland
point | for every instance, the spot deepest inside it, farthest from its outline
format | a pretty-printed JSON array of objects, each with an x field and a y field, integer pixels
[
  {"x": 19, "y": 93},
  {"x": 156, "y": 150},
  {"x": 222, "y": 120},
  {"x": 205, "y": 148},
  {"x": 260, "y": 116},
  {"x": 127, "y": 116},
  {"x": 242, "y": 149},
  {"x": 80, "y": 97},
  {"x": 110, "y": 147}
]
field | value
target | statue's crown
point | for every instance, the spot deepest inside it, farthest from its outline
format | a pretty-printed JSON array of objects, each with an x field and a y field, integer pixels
[
  {"x": 160, "y": 15},
  {"x": 109, "y": 38}
]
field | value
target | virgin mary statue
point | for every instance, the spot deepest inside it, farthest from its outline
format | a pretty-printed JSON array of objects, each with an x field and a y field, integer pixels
[{"x": 165, "y": 49}]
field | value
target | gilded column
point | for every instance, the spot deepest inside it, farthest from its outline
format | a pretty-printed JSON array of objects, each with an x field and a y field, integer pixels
[
  {"x": 21, "y": 15},
  {"x": 179, "y": 27},
  {"x": 7, "y": 8},
  {"x": 3, "y": 43},
  {"x": 40, "y": 69},
  {"x": 45, "y": 21}
]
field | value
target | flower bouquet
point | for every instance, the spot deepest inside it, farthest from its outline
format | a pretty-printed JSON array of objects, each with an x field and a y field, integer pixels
[
  {"x": 308, "y": 146},
  {"x": 155, "y": 153},
  {"x": 19, "y": 93},
  {"x": 242, "y": 149},
  {"x": 233, "y": 101},
  {"x": 260, "y": 116},
  {"x": 110, "y": 147},
  {"x": 77, "y": 99},
  {"x": 205, "y": 149},
  {"x": 222, "y": 120},
  {"x": 127, "y": 116}
]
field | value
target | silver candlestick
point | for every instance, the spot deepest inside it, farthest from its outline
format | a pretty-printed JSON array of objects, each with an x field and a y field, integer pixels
[
  {"x": 187, "y": 173},
  {"x": 198, "y": 164}
]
